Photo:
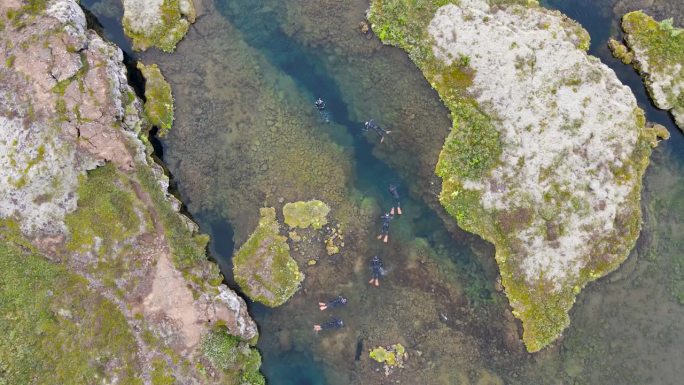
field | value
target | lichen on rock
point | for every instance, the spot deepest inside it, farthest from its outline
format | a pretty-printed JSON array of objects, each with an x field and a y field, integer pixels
[
  {"x": 158, "y": 98},
  {"x": 658, "y": 50},
  {"x": 313, "y": 213},
  {"x": 547, "y": 152},
  {"x": 263, "y": 267},
  {"x": 157, "y": 23}
]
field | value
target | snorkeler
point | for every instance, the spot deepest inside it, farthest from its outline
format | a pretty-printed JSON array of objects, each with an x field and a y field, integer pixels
[
  {"x": 334, "y": 323},
  {"x": 333, "y": 303},
  {"x": 379, "y": 131},
  {"x": 376, "y": 271},
  {"x": 384, "y": 231},
  {"x": 320, "y": 106},
  {"x": 395, "y": 195}
]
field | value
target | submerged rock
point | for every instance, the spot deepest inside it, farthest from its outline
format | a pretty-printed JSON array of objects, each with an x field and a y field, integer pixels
[
  {"x": 658, "y": 51},
  {"x": 547, "y": 152},
  {"x": 157, "y": 23},
  {"x": 313, "y": 213},
  {"x": 263, "y": 267}
]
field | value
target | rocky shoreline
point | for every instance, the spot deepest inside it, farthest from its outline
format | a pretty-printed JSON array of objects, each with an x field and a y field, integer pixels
[{"x": 81, "y": 188}]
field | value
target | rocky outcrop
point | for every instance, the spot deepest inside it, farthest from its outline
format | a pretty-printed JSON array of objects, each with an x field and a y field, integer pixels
[
  {"x": 263, "y": 267},
  {"x": 79, "y": 183},
  {"x": 157, "y": 23},
  {"x": 658, "y": 54},
  {"x": 547, "y": 152},
  {"x": 158, "y": 98}
]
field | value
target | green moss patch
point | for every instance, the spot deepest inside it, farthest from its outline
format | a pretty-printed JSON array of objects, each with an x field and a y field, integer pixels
[
  {"x": 158, "y": 98},
  {"x": 55, "y": 329},
  {"x": 312, "y": 213},
  {"x": 105, "y": 210},
  {"x": 234, "y": 357},
  {"x": 263, "y": 267}
]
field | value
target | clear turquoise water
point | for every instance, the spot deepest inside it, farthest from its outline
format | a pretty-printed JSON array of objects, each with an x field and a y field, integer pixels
[{"x": 626, "y": 328}]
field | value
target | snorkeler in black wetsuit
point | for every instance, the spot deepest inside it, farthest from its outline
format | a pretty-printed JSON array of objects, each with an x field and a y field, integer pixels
[
  {"x": 320, "y": 106},
  {"x": 376, "y": 271},
  {"x": 379, "y": 131},
  {"x": 333, "y": 303},
  {"x": 384, "y": 231},
  {"x": 395, "y": 195},
  {"x": 334, "y": 323}
]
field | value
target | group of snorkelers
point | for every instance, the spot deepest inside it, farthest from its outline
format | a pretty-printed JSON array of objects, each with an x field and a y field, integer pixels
[
  {"x": 369, "y": 125},
  {"x": 376, "y": 265}
]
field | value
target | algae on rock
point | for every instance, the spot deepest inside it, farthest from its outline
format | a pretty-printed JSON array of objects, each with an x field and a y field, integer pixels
[
  {"x": 537, "y": 124},
  {"x": 157, "y": 23},
  {"x": 158, "y": 98},
  {"x": 263, "y": 267},
  {"x": 301, "y": 214},
  {"x": 658, "y": 51}
]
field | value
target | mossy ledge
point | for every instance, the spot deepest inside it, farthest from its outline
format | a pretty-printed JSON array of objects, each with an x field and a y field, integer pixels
[
  {"x": 520, "y": 167},
  {"x": 263, "y": 267},
  {"x": 658, "y": 54},
  {"x": 157, "y": 23}
]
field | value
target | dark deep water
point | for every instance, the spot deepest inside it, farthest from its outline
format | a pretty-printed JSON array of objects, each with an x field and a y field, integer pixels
[{"x": 626, "y": 328}]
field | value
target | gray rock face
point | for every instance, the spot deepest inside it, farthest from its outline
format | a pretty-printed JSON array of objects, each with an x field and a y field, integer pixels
[{"x": 63, "y": 95}]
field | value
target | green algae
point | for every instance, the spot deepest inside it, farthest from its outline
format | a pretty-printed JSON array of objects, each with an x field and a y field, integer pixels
[
  {"x": 106, "y": 210},
  {"x": 239, "y": 362},
  {"x": 56, "y": 330},
  {"x": 165, "y": 33},
  {"x": 313, "y": 213},
  {"x": 392, "y": 356},
  {"x": 158, "y": 98},
  {"x": 263, "y": 267}
]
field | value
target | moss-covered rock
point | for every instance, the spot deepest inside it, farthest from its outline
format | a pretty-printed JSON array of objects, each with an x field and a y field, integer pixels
[
  {"x": 521, "y": 164},
  {"x": 263, "y": 267},
  {"x": 658, "y": 50},
  {"x": 312, "y": 213},
  {"x": 157, "y": 23},
  {"x": 391, "y": 356},
  {"x": 158, "y": 98}
]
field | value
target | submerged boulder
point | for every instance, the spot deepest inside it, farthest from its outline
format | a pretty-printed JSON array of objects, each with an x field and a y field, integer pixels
[
  {"x": 547, "y": 151},
  {"x": 658, "y": 51},
  {"x": 263, "y": 267},
  {"x": 312, "y": 213}
]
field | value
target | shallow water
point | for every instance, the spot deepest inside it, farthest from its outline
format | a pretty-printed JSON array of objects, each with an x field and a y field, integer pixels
[{"x": 438, "y": 298}]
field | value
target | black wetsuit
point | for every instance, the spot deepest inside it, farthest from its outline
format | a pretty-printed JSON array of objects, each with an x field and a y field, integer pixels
[
  {"x": 335, "y": 302},
  {"x": 386, "y": 219},
  {"x": 334, "y": 323},
  {"x": 320, "y": 104},
  {"x": 395, "y": 195},
  {"x": 371, "y": 125},
  {"x": 376, "y": 267}
]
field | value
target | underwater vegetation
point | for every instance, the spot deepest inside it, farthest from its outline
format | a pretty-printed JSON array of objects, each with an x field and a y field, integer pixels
[{"x": 312, "y": 213}]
